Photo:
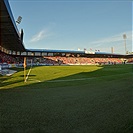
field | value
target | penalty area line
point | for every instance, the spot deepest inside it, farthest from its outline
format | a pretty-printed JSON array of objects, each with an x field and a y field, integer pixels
[
  {"x": 69, "y": 80},
  {"x": 34, "y": 80},
  {"x": 81, "y": 79}
]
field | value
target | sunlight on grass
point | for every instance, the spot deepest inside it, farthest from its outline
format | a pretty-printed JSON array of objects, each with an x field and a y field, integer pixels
[
  {"x": 51, "y": 73},
  {"x": 44, "y": 73},
  {"x": 48, "y": 73}
]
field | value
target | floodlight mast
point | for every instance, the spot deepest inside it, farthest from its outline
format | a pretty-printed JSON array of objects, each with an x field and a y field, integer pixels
[
  {"x": 24, "y": 64},
  {"x": 125, "y": 37},
  {"x": 19, "y": 20}
]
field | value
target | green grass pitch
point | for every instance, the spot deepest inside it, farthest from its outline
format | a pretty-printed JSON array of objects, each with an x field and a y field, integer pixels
[{"x": 68, "y": 99}]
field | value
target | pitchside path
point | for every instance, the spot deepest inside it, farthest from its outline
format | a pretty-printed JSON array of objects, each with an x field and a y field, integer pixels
[{"x": 7, "y": 72}]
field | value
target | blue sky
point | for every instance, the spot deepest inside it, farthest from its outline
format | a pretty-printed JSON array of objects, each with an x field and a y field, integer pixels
[{"x": 75, "y": 24}]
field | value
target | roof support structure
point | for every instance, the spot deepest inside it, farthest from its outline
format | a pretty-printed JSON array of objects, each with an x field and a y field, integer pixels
[{"x": 10, "y": 37}]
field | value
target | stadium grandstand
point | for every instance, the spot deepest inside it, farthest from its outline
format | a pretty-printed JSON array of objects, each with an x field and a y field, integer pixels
[{"x": 13, "y": 51}]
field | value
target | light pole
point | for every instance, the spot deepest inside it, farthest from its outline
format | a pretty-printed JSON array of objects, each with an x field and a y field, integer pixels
[
  {"x": 19, "y": 20},
  {"x": 125, "y": 37}
]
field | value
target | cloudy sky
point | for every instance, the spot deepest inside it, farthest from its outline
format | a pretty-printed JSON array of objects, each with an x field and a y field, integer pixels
[{"x": 75, "y": 24}]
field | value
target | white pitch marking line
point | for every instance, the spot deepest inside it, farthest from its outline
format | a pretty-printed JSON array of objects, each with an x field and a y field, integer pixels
[
  {"x": 27, "y": 75},
  {"x": 34, "y": 80}
]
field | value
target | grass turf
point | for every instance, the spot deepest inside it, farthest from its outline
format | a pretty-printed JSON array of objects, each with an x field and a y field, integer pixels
[{"x": 74, "y": 99}]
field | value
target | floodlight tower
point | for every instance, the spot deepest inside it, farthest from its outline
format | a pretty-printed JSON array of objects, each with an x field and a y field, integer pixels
[
  {"x": 19, "y": 20},
  {"x": 112, "y": 50},
  {"x": 125, "y": 37}
]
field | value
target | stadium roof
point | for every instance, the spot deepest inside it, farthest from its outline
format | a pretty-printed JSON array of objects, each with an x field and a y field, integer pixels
[
  {"x": 57, "y": 51},
  {"x": 10, "y": 37},
  {"x": 87, "y": 53},
  {"x": 106, "y": 53}
]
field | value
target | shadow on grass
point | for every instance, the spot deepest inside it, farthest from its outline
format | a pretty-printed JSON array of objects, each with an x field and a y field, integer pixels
[
  {"x": 13, "y": 79},
  {"x": 99, "y": 104},
  {"x": 28, "y": 75},
  {"x": 9, "y": 83}
]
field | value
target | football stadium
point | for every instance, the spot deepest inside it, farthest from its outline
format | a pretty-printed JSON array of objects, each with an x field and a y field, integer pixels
[{"x": 61, "y": 91}]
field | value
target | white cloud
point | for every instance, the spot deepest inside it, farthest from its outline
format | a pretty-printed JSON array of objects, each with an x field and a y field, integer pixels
[
  {"x": 114, "y": 39},
  {"x": 39, "y": 36},
  {"x": 45, "y": 33}
]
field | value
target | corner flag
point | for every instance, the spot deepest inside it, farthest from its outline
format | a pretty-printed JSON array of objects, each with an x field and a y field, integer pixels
[
  {"x": 24, "y": 68},
  {"x": 24, "y": 62}
]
